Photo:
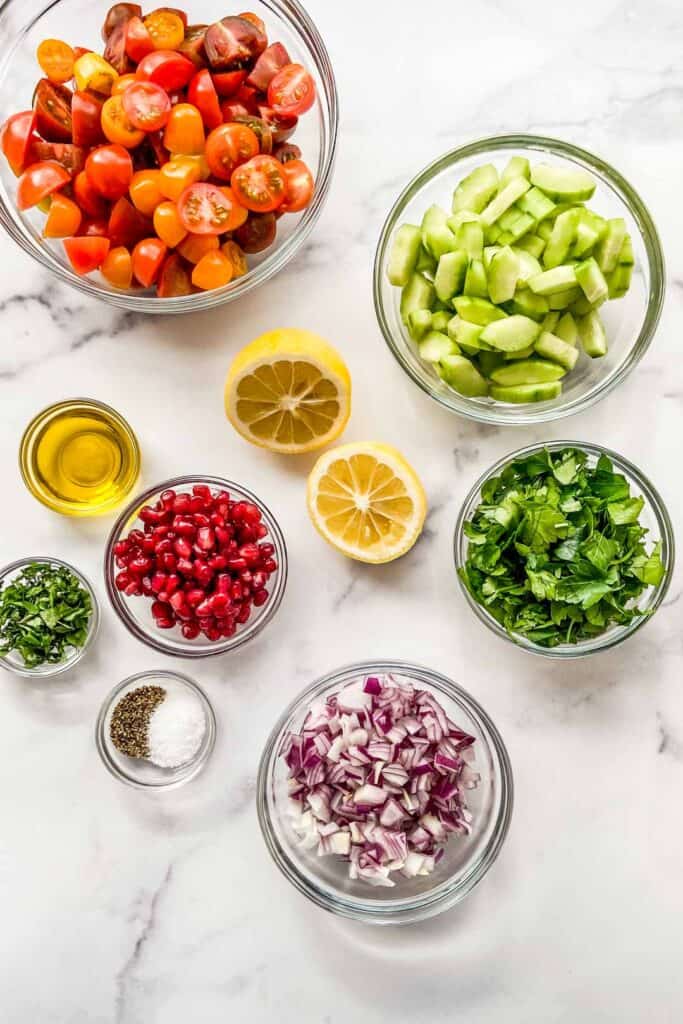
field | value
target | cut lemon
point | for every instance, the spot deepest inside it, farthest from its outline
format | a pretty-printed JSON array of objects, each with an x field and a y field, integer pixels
[
  {"x": 367, "y": 501},
  {"x": 288, "y": 391}
]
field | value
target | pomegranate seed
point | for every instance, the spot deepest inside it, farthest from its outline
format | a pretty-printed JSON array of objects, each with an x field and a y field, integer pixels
[
  {"x": 206, "y": 538},
  {"x": 260, "y": 597},
  {"x": 177, "y": 600},
  {"x": 250, "y": 553},
  {"x": 212, "y": 633},
  {"x": 252, "y": 513},
  {"x": 195, "y": 596},
  {"x": 148, "y": 544},
  {"x": 190, "y": 630},
  {"x": 269, "y": 566},
  {"x": 136, "y": 536},
  {"x": 172, "y": 583},
  {"x": 167, "y": 498},
  {"x": 246, "y": 577},
  {"x": 205, "y": 609},
  {"x": 202, "y": 490},
  {"x": 216, "y": 519},
  {"x": 224, "y": 535},
  {"x": 184, "y": 526},
  {"x": 167, "y": 561},
  {"x": 159, "y": 609},
  {"x": 236, "y": 591},
  {"x": 159, "y": 532},
  {"x": 146, "y": 586},
  {"x": 165, "y": 623},
  {"x": 201, "y": 520},
  {"x": 121, "y": 547},
  {"x": 122, "y": 562},
  {"x": 150, "y": 515},
  {"x": 182, "y": 547},
  {"x": 122, "y": 580},
  {"x": 243, "y": 614},
  {"x": 202, "y": 573},
  {"x": 205, "y": 621},
  {"x": 219, "y": 604},
  {"x": 223, "y": 583},
  {"x": 267, "y": 550},
  {"x": 133, "y": 589},
  {"x": 261, "y": 531},
  {"x": 158, "y": 582},
  {"x": 237, "y": 510},
  {"x": 218, "y": 562},
  {"x": 185, "y": 566},
  {"x": 181, "y": 504},
  {"x": 236, "y": 564},
  {"x": 196, "y": 504},
  {"x": 140, "y": 565},
  {"x": 258, "y": 581}
]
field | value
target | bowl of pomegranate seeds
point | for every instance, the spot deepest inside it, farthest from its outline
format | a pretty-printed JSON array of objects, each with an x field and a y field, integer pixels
[
  {"x": 384, "y": 792},
  {"x": 196, "y": 566}
]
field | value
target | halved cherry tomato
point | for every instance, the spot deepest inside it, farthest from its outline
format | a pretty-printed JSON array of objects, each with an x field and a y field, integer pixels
[
  {"x": 122, "y": 83},
  {"x": 261, "y": 130},
  {"x": 145, "y": 191},
  {"x": 40, "y": 180},
  {"x": 299, "y": 186},
  {"x": 194, "y": 247},
  {"x": 259, "y": 184},
  {"x": 248, "y": 97},
  {"x": 202, "y": 93},
  {"x": 71, "y": 157},
  {"x": 117, "y": 267},
  {"x": 292, "y": 91},
  {"x": 156, "y": 142},
  {"x": 168, "y": 225},
  {"x": 174, "y": 278},
  {"x": 231, "y": 110},
  {"x": 115, "y": 52},
  {"x": 165, "y": 68},
  {"x": 79, "y": 51},
  {"x": 205, "y": 209},
  {"x": 148, "y": 257},
  {"x": 138, "y": 40},
  {"x": 93, "y": 72},
  {"x": 254, "y": 19},
  {"x": 178, "y": 174},
  {"x": 185, "y": 130},
  {"x": 94, "y": 227},
  {"x": 267, "y": 66},
  {"x": 238, "y": 213},
  {"x": 287, "y": 151},
  {"x": 237, "y": 258},
  {"x": 127, "y": 226},
  {"x": 147, "y": 106},
  {"x": 117, "y": 15},
  {"x": 116, "y": 125},
  {"x": 281, "y": 125},
  {"x": 232, "y": 42},
  {"x": 166, "y": 29},
  {"x": 110, "y": 171},
  {"x": 86, "y": 109},
  {"x": 214, "y": 270},
  {"x": 192, "y": 45},
  {"x": 86, "y": 253},
  {"x": 258, "y": 232},
  {"x": 90, "y": 201},
  {"x": 16, "y": 136},
  {"x": 52, "y": 104},
  {"x": 229, "y": 146},
  {"x": 56, "y": 59},
  {"x": 63, "y": 219},
  {"x": 227, "y": 83}
]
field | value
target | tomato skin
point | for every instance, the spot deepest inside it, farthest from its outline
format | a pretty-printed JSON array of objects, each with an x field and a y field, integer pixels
[
  {"x": 194, "y": 247},
  {"x": 166, "y": 68},
  {"x": 145, "y": 191},
  {"x": 261, "y": 130},
  {"x": 110, "y": 170},
  {"x": 291, "y": 91},
  {"x": 259, "y": 184},
  {"x": 40, "y": 180},
  {"x": 233, "y": 41},
  {"x": 205, "y": 209},
  {"x": 238, "y": 213},
  {"x": 127, "y": 226},
  {"x": 122, "y": 83},
  {"x": 299, "y": 186},
  {"x": 117, "y": 267},
  {"x": 232, "y": 110},
  {"x": 86, "y": 110},
  {"x": 115, "y": 51},
  {"x": 63, "y": 218},
  {"x": 255, "y": 20},
  {"x": 177, "y": 175},
  {"x": 86, "y": 252},
  {"x": 237, "y": 258},
  {"x": 192, "y": 45},
  {"x": 116, "y": 126},
  {"x": 168, "y": 225},
  {"x": 287, "y": 151},
  {"x": 166, "y": 28},
  {"x": 202, "y": 94},
  {"x": 56, "y": 60},
  {"x": 258, "y": 233},
  {"x": 229, "y": 146},
  {"x": 184, "y": 130},
  {"x": 94, "y": 227},
  {"x": 281, "y": 125},
  {"x": 138, "y": 40},
  {"x": 227, "y": 83},
  {"x": 174, "y": 278},
  {"x": 214, "y": 270},
  {"x": 148, "y": 257},
  {"x": 147, "y": 106},
  {"x": 52, "y": 104},
  {"x": 71, "y": 157},
  {"x": 93, "y": 72},
  {"x": 16, "y": 136},
  {"x": 267, "y": 66},
  {"x": 90, "y": 201},
  {"x": 117, "y": 15}
]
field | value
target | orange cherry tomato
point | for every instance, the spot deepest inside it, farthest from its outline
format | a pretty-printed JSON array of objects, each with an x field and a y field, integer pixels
[
  {"x": 127, "y": 226},
  {"x": 110, "y": 171},
  {"x": 166, "y": 29},
  {"x": 229, "y": 146},
  {"x": 174, "y": 278},
  {"x": 194, "y": 247},
  {"x": 56, "y": 60},
  {"x": 213, "y": 271},
  {"x": 291, "y": 91},
  {"x": 138, "y": 40},
  {"x": 63, "y": 218},
  {"x": 148, "y": 257},
  {"x": 89, "y": 200},
  {"x": 238, "y": 213},
  {"x": 168, "y": 225},
  {"x": 166, "y": 68},
  {"x": 39, "y": 181},
  {"x": 259, "y": 184},
  {"x": 237, "y": 258},
  {"x": 147, "y": 106},
  {"x": 86, "y": 252},
  {"x": 254, "y": 19},
  {"x": 121, "y": 84},
  {"x": 145, "y": 191},
  {"x": 299, "y": 186},
  {"x": 117, "y": 127},
  {"x": 202, "y": 93},
  {"x": 205, "y": 209},
  {"x": 184, "y": 130},
  {"x": 178, "y": 174},
  {"x": 117, "y": 267},
  {"x": 16, "y": 136}
]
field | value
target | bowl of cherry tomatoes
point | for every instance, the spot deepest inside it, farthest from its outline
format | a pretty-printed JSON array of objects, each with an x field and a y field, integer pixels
[{"x": 173, "y": 161}]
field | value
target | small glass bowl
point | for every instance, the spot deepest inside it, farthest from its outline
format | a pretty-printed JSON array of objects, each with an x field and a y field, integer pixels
[
  {"x": 25, "y": 23},
  {"x": 466, "y": 859},
  {"x": 13, "y": 661},
  {"x": 654, "y": 516},
  {"x": 140, "y": 772},
  {"x": 630, "y": 322},
  {"x": 135, "y": 612}
]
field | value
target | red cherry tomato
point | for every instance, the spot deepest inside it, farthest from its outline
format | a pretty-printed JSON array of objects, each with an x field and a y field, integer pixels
[
  {"x": 233, "y": 41},
  {"x": 52, "y": 104},
  {"x": 72, "y": 158},
  {"x": 227, "y": 83},
  {"x": 138, "y": 40},
  {"x": 39, "y": 181},
  {"x": 231, "y": 110},
  {"x": 292, "y": 91},
  {"x": 202, "y": 93},
  {"x": 299, "y": 186},
  {"x": 89, "y": 200},
  {"x": 147, "y": 106},
  {"x": 127, "y": 226},
  {"x": 166, "y": 68},
  {"x": 281, "y": 125},
  {"x": 15, "y": 138},
  {"x": 228, "y": 146},
  {"x": 95, "y": 227},
  {"x": 174, "y": 278},
  {"x": 267, "y": 66},
  {"x": 205, "y": 209},
  {"x": 110, "y": 170},
  {"x": 86, "y": 112},
  {"x": 86, "y": 252},
  {"x": 287, "y": 151},
  {"x": 148, "y": 257},
  {"x": 258, "y": 233},
  {"x": 259, "y": 184},
  {"x": 260, "y": 129}
]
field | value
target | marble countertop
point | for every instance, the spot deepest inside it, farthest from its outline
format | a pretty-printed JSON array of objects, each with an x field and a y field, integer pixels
[{"x": 125, "y": 908}]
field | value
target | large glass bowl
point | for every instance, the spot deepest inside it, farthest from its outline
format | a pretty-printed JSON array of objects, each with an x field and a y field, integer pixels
[
  {"x": 654, "y": 517},
  {"x": 324, "y": 880},
  {"x": 630, "y": 322},
  {"x": 25, "y": 23}
]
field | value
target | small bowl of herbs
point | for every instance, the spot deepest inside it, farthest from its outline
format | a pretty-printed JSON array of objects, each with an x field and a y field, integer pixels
[
  {"x": 48, "y": 616},
  {"x": 564, "y": 548}
]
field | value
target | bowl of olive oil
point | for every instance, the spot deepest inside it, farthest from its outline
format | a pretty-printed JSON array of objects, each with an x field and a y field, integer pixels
[{"x": 79, "y": 457}]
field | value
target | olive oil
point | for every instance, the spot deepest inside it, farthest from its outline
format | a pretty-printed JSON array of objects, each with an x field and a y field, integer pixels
[{"x": 80, "y": 458}]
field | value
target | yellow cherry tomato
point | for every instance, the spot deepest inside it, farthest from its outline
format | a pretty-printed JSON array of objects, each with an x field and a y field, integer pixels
[
  {"x": 121, "y": 84},
  {"x": 118, "y": 267},
  {"x": 194, "y": 247},
  {"x": 166, "y": 29},
  {"x": 93, "y": 72},
  {"x": 177, "y": 175},
  {"x": 56, "y": 60},
  {"x": 117, "y": 127},
  {"x": 184, "y": 131},
  {"x": 168, "y": 225},
  {"x": 213, "y": 271},
  {"x": 145, "y": 191}
]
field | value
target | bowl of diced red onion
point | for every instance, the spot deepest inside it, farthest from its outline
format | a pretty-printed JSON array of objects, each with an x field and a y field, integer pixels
[{"x": 384, "y": 793}]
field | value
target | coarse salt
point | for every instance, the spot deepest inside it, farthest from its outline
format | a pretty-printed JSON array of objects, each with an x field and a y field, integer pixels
[{"x": 176, "y": 730}]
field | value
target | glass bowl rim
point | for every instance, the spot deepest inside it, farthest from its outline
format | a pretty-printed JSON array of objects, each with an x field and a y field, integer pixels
[
  {"x": 227, "y": 644},
  {"x": 650, "y": 237},
  {"x": 447, "y": 893},
  {"x": 93, "y": 624},
  {"x": 607, "y": 640},
  {"x": 304, "y": 28},
  {"x": 194, "y": 767}
]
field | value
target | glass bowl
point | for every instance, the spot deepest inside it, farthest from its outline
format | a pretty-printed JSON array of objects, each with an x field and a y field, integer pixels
[
  {"x": 25, "y": 23},
  {"x": 13, "y": 661},
  {"x": 135, "y": 612},
  {"x": 654, "y": 516},
  {"x": 630, "y": 322},
  {"x": 466, "y": 860},
  {"x": 140, "y": 772}
]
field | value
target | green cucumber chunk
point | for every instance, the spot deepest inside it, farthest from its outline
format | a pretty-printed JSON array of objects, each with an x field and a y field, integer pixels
[
  {"x": 626, "y": 257},
  {"x": 527, "y": 371},
  {"x": 566, "y": 329},
  {"x": 551, "y": 281},
  {"x": 477, "y": 311},
  {"x": 463, "y": 376},
  {"x": 609, "y": 247},
  {"x": 581, "y": 306},
  {"x": 561, "y": 239},
  {"x": 590, "y": 278},
  {"x": 619, "y": 281},
  {"x": 426, "y": 263},
  {"x": 533, "y": 244},
  {"x": 549, "y": 346},
  {"x": 549, "y": 322},
  {"x": 520, "y": 394},
  {"x": 512, "y": 334},
  {"x": 475, "y": 191},
  {"x": 536, "y": 204},
  {"x": 418, "y": 323},
  {"x": 466, "y": 334},
  {"x": 417, "y": 294},
  {"x": 489, "y": 361},
  {"x": 489, "y": 252},
  {"x": 587, "y": 236},
  {"x": 502, "y": 276},
  {"x": 475, "y": 280},
  {"x": 437, "y": 237},
  {"x": 456, "y": 220},
  {"x": 523, "y": 353},
  {"x": 470, "y": 239},
  {"x": 567, "y": 184},
  {"x": 528, "y": 304},
  {"x": 528, "y": 267},
  {"x": 404, "y": 253},
  {"x": 435, "y": 346},
  {"x": 564, "y": 299},
  {"x": 450, "y": 275},
  {"x": 516, "y": 167},
  {"x": 440, "y": 320},
  {"x": 504, "y": 200},
  {"x": 592, "y": 335}
]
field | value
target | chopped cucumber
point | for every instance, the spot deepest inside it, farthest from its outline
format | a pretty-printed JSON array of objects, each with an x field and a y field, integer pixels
[
  {"x": 516, "y": 167},
  {"x": 533, "y": 244},
  {"x": 520, "y": 394},
  {"x": 504, "y": 200},
  {"x": 456, "y": 220},
  {"x": 465, "y": 333},
  {"x": 475, "y": 280},
  {"x": 463, "y": 376},
  {"x": 609, "y": 247},
  {"x": 515, "y": 224},
  {"x": 564, "y": 299},
  {"x": 528, "y": 267},
  {"x": 586, "y": 239},
  {"x": 544, "y": 231},
  {"x": 593, "y": 284},
  {"x": 566, "y": 329},
  {"x": 592, "y": 335},
  {"x": 528, "y": 304},
  {"x": 561, "y": 239},
  {"x": 536, "y": 204},
  {"x": 436, "y": 345},
  {"x": 470, "y": 239},
  {"x": 419, "y": 322},
  {"x": 527, "y": 371},
  {"x": 619, "y": 281},
  {"x": 489, "y": 361},
  {"x": 567, "y": 184},
  {"x": 437, "y": 237},
  {"x": 417, "y": 294},
  {"x": 503, "y": 275},
  {"x": 489, "y": 252},
  {"x": 556, "y": 280},
  {"x": 450, "y": 275},
  {"x": 475, "y": 191},
  {"x": 512, "y": 334},
  {"x": 549, "y": 322},
  {"x": 557, "y": 351},
  {"x": 523, "y": 353},
  {"x": 404, "y": 253},
  {"x": 580, "y": 306},
  {"x": 626, "y": 257},
  {"x": 440, "y": 320},
  {"x": 426, "y": 264},
  {"x": 477, "y": 311}
]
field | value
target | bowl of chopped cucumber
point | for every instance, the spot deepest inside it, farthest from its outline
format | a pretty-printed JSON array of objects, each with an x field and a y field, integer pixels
[{"x": 518, "y": 279}]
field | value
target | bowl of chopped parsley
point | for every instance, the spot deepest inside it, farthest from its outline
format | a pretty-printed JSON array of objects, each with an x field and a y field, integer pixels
[
  {"x": 564, "y": 548},
  {"x": 48, "y": 616}
]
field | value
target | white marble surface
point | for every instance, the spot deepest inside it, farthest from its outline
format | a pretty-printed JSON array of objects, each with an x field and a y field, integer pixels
[{"x": 123, "y": 908}]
